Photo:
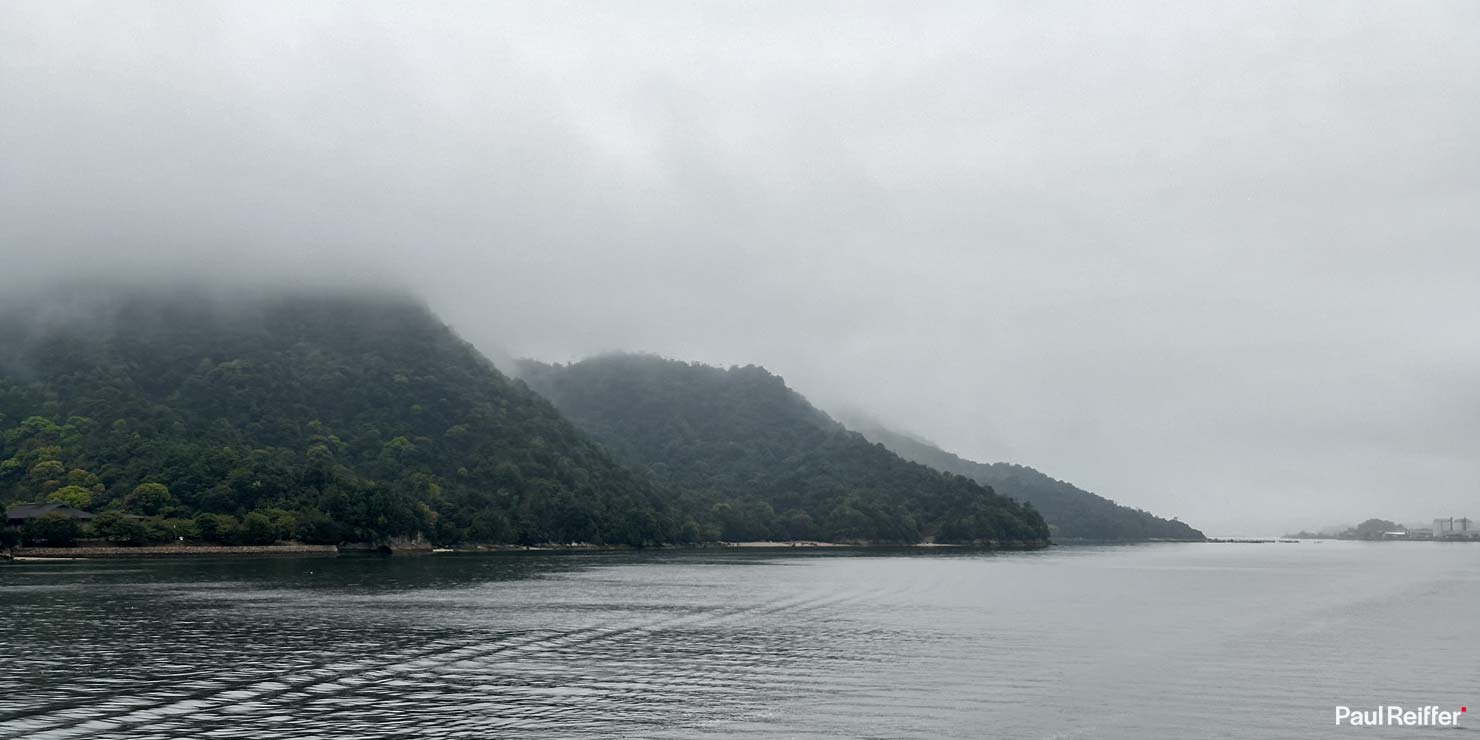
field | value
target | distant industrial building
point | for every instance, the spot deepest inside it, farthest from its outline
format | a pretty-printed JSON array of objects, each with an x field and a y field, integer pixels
[{"x": 1456, "y": 529}]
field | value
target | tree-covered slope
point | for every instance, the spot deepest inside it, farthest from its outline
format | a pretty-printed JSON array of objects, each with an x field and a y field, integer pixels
[
  {"x": 1071, "y": 513},
  {"x": 756, "y": 461},
  {"x": 325, "y": 418}
]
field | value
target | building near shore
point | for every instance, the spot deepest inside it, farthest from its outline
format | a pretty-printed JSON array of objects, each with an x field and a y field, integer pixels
[
  {"x": 1456, "y": 529},
  {"x": 21, "y": 513}
]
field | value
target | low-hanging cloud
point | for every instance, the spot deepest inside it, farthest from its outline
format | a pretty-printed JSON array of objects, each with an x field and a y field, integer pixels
[{"x": 1217, "y": 262}]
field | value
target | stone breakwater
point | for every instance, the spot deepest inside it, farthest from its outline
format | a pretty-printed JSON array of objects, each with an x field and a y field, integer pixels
[{"x": 172, "y": 551}]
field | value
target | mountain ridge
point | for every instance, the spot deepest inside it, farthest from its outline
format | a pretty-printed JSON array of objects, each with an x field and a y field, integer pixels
[
  {"x": 764, "y": 461},
  {"x": 1071, "y": 512}
]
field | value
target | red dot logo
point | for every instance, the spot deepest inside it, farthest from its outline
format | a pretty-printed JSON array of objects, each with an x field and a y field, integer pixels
[{"x": 1462, "y": 710}]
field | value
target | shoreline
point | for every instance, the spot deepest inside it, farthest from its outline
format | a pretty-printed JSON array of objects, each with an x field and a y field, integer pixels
[
  {"x": 748, "y": 545},
  {"x": 109, "y": 552}
]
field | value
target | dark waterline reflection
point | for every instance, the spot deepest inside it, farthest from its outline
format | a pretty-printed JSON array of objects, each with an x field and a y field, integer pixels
[{"x": 1152, "y": 641}]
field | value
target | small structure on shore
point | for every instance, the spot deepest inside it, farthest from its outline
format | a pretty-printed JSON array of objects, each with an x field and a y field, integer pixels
[{"x": 19, "y": 514}]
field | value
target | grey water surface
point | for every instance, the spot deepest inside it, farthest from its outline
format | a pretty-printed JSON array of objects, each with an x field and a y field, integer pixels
[{"x": 1150, "y": 641}]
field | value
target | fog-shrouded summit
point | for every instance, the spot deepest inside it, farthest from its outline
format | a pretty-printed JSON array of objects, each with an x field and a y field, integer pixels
[
  {"x": 764, "y": 462},
  {"x": 358, "y": 416},
  {"x": 254, "y": 417},
  {"x": 1217, "y": 259}
]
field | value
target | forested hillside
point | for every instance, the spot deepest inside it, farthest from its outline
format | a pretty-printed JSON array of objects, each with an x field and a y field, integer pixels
[
  {"x": 321, "y": 418},
  {"x": 760, "y": 462},
  {"x": 1071, "y": 513}
]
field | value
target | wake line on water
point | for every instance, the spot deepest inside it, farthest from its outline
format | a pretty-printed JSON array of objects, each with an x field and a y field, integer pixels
[{"x": 62, "y": 720}]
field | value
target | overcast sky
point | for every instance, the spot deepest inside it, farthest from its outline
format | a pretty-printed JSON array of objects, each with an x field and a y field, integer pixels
[{"x": 1219, "y": 262}]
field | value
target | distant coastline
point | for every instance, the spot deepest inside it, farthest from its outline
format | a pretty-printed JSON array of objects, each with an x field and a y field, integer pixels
[{"x": 1450, "y": 529}]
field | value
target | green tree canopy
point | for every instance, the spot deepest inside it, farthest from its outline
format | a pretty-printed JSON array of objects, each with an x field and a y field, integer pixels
[
  {"x": 76, "y": 497},
  {"x": 149, "y": 498}
]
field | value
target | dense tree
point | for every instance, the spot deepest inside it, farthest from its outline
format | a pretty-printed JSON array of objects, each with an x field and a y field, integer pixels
[
  {"x": 148, "y": 498},
  {"x": 122, "y": 529},
  {"x": 257, "y": 529},
  {"x": 52, "y": 530},
  {"x": 222, "y": 529},
  {"x": 76, "y": 497},
  {"x": 751, "y": 459}
]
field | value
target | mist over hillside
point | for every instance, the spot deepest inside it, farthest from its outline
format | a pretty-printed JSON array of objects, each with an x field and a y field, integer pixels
[
  {"x": 739, "y": 442},
  {"x": 325, "y": 417},
  {"x": 248, "y": 416},
  {"x": 1071, "y": 512}
]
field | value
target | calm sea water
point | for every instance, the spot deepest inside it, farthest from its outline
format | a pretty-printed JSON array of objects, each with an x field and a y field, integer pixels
[{"x": 1154, "y": 641}]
